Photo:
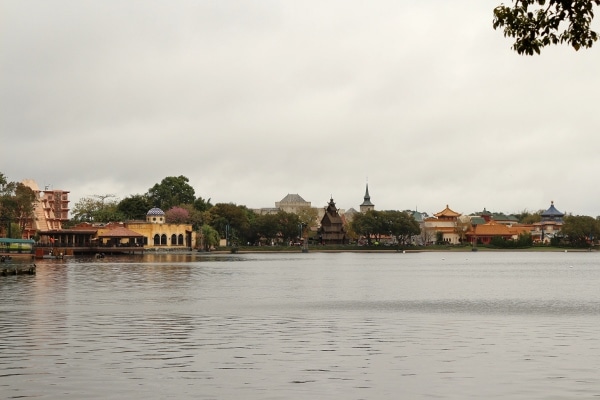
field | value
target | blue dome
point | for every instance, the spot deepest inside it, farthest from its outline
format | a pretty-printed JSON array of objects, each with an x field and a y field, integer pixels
[{"x": 155, "y": 211}]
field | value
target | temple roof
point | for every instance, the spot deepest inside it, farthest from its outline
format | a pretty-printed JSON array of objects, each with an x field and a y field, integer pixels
[
  {"x": 552, "y": 212},
  {"x": 447, "y": 212}
]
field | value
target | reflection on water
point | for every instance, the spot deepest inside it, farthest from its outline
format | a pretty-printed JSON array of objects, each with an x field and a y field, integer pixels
[{"x": 295, "y": 326}]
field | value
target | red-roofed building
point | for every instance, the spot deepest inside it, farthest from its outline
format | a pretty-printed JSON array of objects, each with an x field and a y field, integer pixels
[{"x": 444, "y": 223}]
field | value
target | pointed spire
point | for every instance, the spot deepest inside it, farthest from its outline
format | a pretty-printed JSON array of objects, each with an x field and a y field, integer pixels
[{"x": 366, "y": 204}]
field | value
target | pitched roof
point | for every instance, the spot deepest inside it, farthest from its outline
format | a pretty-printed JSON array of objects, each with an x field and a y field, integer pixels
[
  {"x": 477, "y": 221},
  {"x": 492, "y": 229},
  {"x": 521, "y": 228},
  {"x": 447, "y": 212},
  {"x": 293, "y": 198}
]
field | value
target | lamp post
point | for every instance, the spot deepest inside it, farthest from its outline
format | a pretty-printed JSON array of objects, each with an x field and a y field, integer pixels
[
  {"x": 301, "y": 226},
  {"x": 227, "y": 235}
]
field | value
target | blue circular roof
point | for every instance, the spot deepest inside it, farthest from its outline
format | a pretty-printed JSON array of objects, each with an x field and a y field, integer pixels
[
  {"x": 552, "y": 212},
  {"x": 156, "y": 211}
]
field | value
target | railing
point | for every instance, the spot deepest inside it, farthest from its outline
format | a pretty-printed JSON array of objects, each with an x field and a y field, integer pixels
[{"x": 94, "y": 245}]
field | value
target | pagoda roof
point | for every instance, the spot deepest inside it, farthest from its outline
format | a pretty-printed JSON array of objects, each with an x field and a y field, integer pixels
[
  {"x": 552, "y": 212},
  {"x": 447, "y": 212}
]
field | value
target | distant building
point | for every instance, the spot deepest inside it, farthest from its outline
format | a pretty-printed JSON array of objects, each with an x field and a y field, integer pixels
[
  {"x": 484, "y": 232},
  {"x": 349, "y": 214},
  {"x": 51, "y": 209},
  {"x": 549, "y": 226},
  {"x": 332, "y": 229},
  {"x": 366, "y": 204},
  {"x": 499, "y": 218},
  {"x": 292, "y": 203},
  {"x": 154, "y": 233},
  {"x": 158, "y": 233},
  {"x": 444, "y": 223}
]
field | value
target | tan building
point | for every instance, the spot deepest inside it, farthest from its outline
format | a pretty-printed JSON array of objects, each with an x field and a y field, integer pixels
[
  {"x": 160, "y": 235},
  {"x": 444, "y": 222},
  {"x": 51, "y": 209},
  {"x": 292, "y": 203}
]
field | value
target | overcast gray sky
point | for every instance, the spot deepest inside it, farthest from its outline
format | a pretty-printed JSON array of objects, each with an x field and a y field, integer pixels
[{"x": 252, "y": 100}]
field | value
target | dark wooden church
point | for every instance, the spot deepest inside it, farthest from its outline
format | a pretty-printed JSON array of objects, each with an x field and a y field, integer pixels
[{"x": 332, "y": 226}]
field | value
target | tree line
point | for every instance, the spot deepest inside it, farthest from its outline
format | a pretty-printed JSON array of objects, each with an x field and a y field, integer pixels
[{"x": 237, "y": 223}]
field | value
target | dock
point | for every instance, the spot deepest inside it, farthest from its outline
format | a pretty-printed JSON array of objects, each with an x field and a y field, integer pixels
[{"x": 7, "y": 269}]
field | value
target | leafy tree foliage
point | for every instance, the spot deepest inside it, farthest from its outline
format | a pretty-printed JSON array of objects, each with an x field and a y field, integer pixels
[
  {"x": 401, "y": 225},
  {"x": 202, "y": 205},
  {"x": 398, "y": 224},
  {"x": 25, "y": 199},
  {"x": 580, "y": 231},
  {"x": 463, "y": 224},
  {"x": 538, "y": 23},
  {"x": 283, "y": 225},
  {"x": 366, "y": 224},
  {"x": 177, "y": 215},
  {"x": 526, "y": 217},
  {"x": 236, "y": 218},
  {"x": 289, "y": 225},
  {"x": 308, "y": 216},
  {"x": 209, "y": 237},
  {"x": 195, "y": 217},
  {"x": 523, "y": 241},
  {"x": 134, "y": 207},
  {"x": 17, "y": 203},
  {"x": 439, "y": 237},
  {"x": 97, "y": 208},
  {"x": 171, "y": 191},
  {"x": 265, "y": 227}
]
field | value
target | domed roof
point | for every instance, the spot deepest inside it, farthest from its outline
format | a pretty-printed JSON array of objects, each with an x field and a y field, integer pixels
[
  {"x": 156, "y": 211},
  {"x": 552, "y": 212}
]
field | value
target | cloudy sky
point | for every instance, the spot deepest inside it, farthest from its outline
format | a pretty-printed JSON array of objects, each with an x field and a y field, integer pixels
[{"x": 252, "y": 100}]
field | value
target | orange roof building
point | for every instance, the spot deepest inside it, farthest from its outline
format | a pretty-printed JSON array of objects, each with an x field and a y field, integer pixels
[
  {"x": 444, "y": 223},
  {"x": 484, "y": 233}
]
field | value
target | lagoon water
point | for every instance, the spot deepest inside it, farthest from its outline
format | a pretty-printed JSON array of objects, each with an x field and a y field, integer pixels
[{"x": 485, "y": 325}]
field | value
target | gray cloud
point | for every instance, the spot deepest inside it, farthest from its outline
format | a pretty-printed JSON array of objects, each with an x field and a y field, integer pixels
[{"x": 254, "y": 100}]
